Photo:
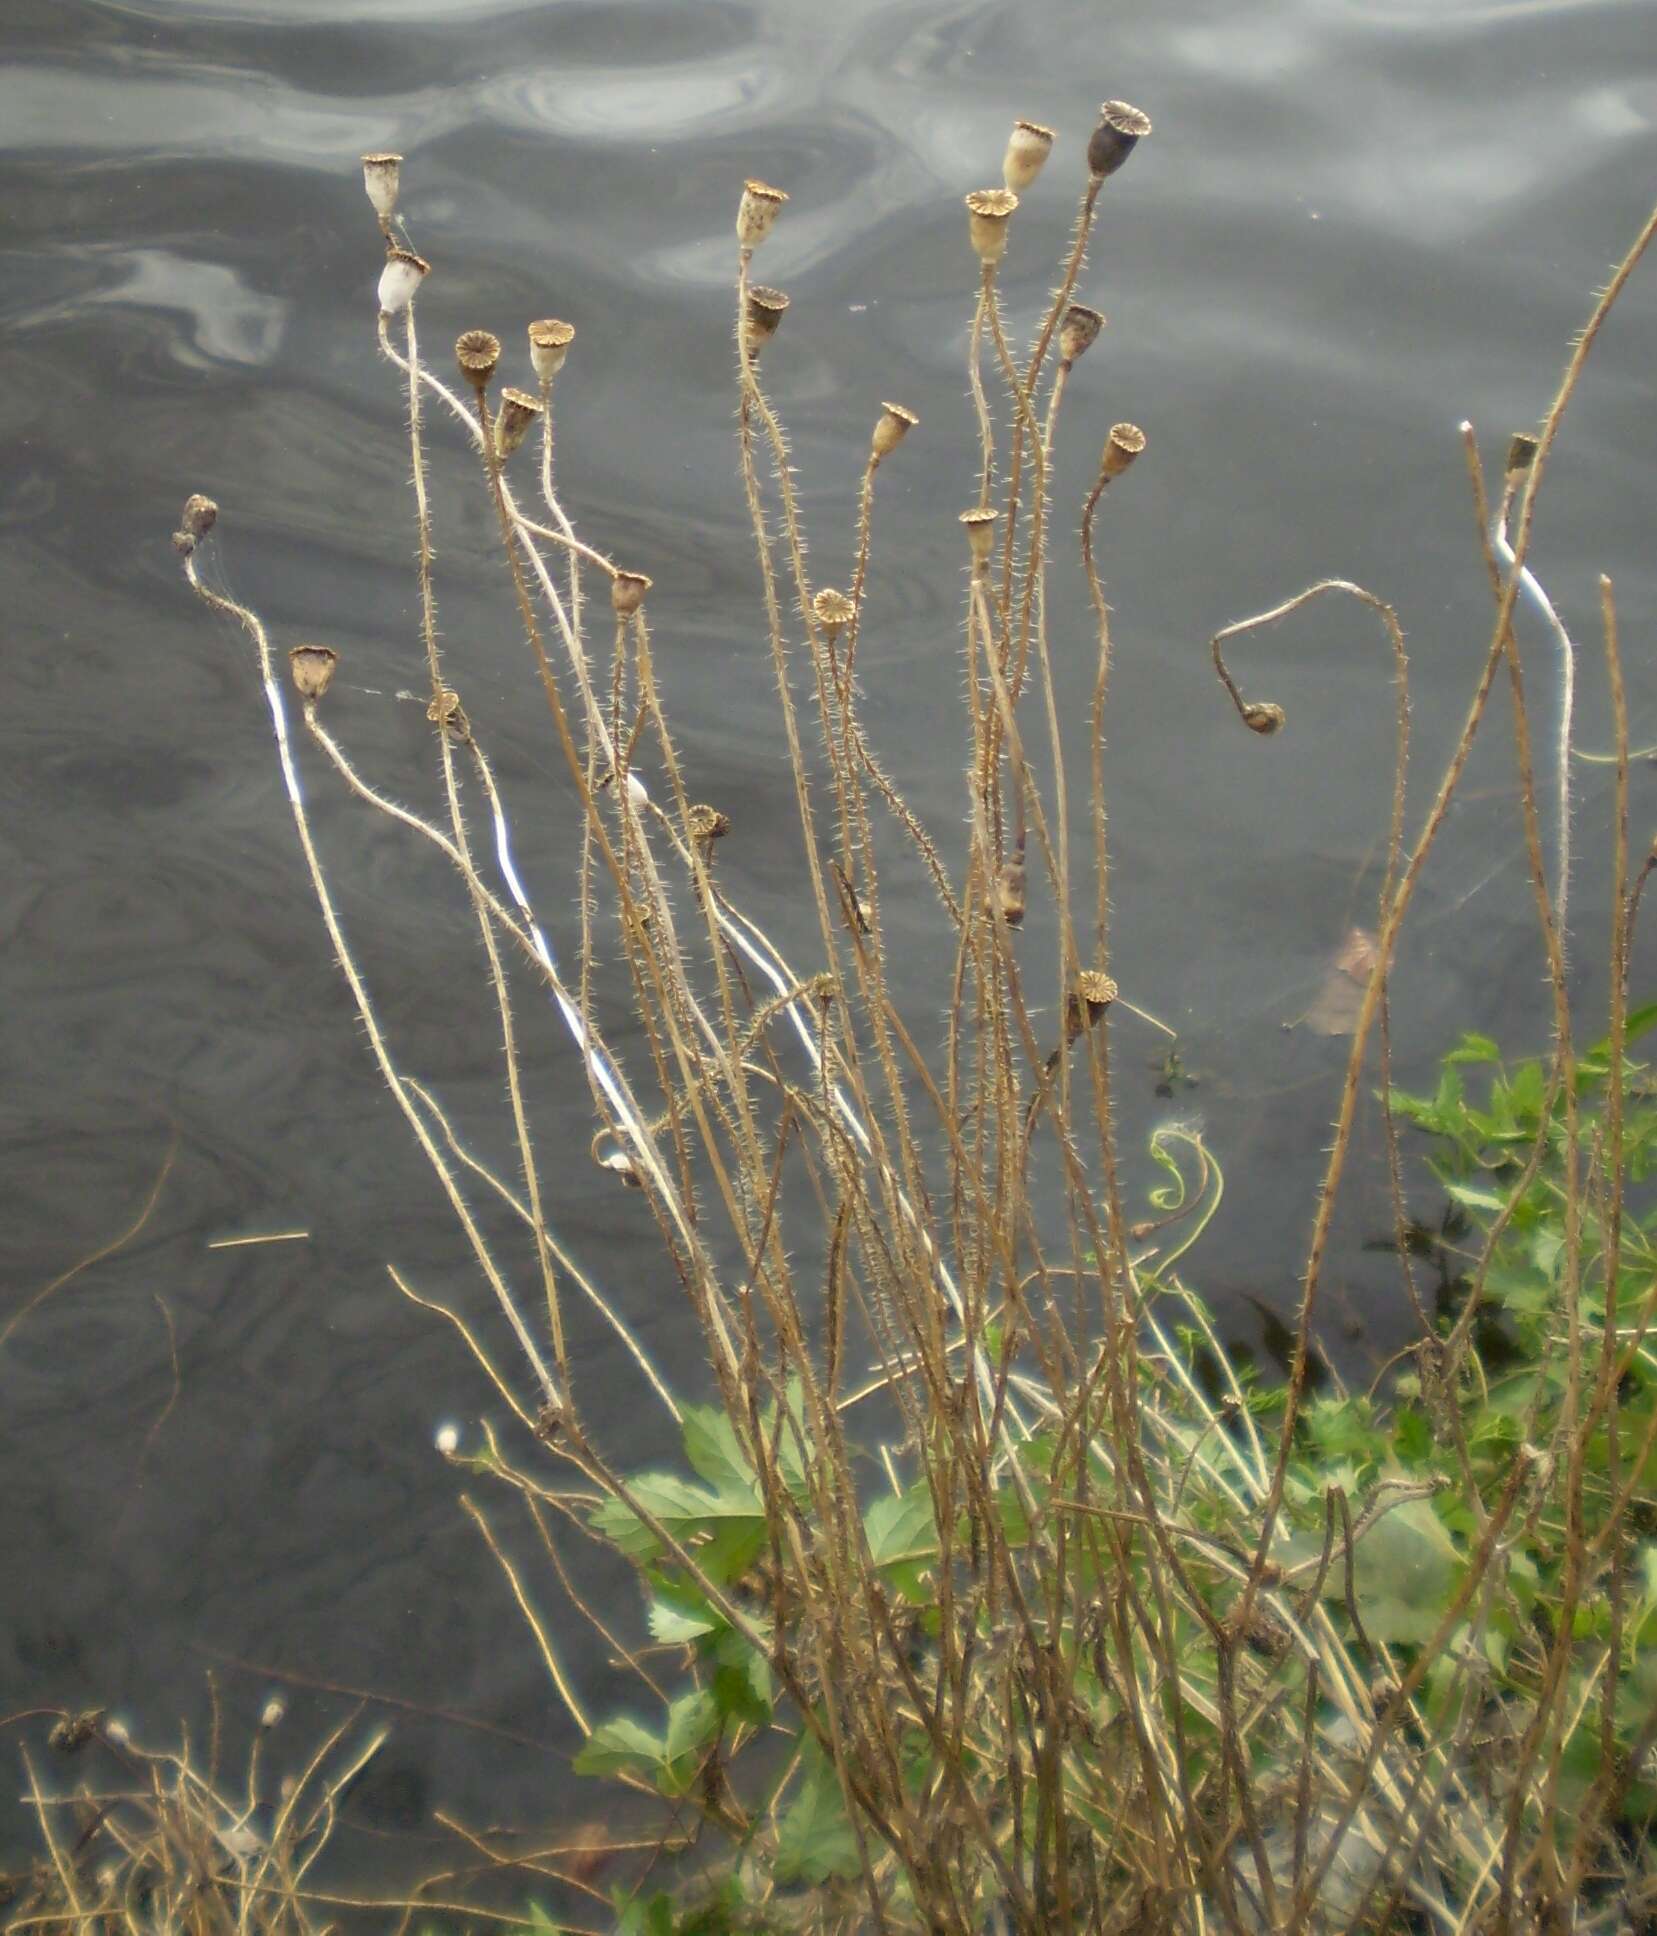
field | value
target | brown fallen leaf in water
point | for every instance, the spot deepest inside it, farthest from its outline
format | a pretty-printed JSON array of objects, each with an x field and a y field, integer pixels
[{"x": 1340, "y": 994}]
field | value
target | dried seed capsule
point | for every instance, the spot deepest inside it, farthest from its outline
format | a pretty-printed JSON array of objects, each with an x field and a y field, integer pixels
[
  {"x": 707, "y": 823},
  {"x": 1125, "y": 442},
  {"x": 446, "y": 711},
  {"x": 549, "y": 344},
  {"x": 477, "y": 352},
  {"x": 834, "y": 611},
  {"x": 1121, "y": 128},
  {"x": 763, "y": 316},
  {"x": 1261, "y": 717},
  {"x": 1092, "y": 995},
  {"x": 517, "y": 413},
  {"x": 403, "y": 273},
  {"x": 989, "y": 210},
  {"x": 1078, "y": 331},
  {"x": 980, "y": 529},
  {"x": 891, "y": 427},
  {"x": 1521, "y": 453},
  {"x": 1027, "y": 150},
  {"x": 1010, "y": 889},
  {"x": 381, "y": 176},
  {"x": 313, "y": 669},
  {"x": 627, "y": 590},
  {"x": 757, "y": 212}
]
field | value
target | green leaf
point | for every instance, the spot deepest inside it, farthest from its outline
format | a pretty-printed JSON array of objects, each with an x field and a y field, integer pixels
[
  {"x": 1474, "y": 1048},
  {"x": 1407, "y": 1569},
  {"x": 1413, "y": 1436},
  {"x": 814, "y": 1839},
  {"x": 712, "y": 1449},
  {"x": 693, "y": 1723},
  {"x": 1477, "y": 1198},
  {"x": 680, "y": 1615},
  {"x": 901, "y": 1527},
  {"x": 620, "y": 1747}
]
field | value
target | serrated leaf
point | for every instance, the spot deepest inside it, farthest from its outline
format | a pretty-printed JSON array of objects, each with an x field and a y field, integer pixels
[
  {"x": 675, "y": 1621},
  {"x": 712, "y": 1449},
  {"x": 814, "y": 1839},
  {"x": 900, "y": 1527},
  {"x": 1474, "y": 1048},
  {"x": 1407, "y": 1569},
  {"x": 619, "y": 1747},
  {"x": 693, "y": 1723}
]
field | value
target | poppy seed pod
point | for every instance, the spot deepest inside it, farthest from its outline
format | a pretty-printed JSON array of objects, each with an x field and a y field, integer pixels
[
  {"x": 980, "y": 529},
  {"x": 988, "y": 212},
  {"x": 1125, "y": 442},
  {"x": 518, "y": 411},
  {"x": 403, "y": 273},
  {"x": 892, "y": 426},
  {"x": 313, "y": 669},
  {"x": 1092, "y": 995},
  {"x": 382, "y": 177},
  {"x": 1521, "y": 453},
  {"x": 1010, "y": 889},
  {"x": 757, "y": 212},
  {"x": 707, "y": 823},
  {"x": 627, "y": 590},
  {"x": 447, "y": 712},
  {"x": 763, "y": 315},
  {"x": 834, "y": 611},
  {"x": 1028, "y": 147},
  {"x": 549, "y": 344},
  {"x": 1120, "y": 130},
  {"x": 1078, "y": 331},
  {"x": 1261, "y": 717},
  {"x": 200, "y": 515},
  {"x": 477, "y": 352}
]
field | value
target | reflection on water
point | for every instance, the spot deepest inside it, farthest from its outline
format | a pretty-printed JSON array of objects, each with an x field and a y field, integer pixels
[{"x": 1355, "y": 225}]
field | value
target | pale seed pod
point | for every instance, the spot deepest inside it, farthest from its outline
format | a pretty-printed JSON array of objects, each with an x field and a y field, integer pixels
[
  {"x": 707, "y": 823},
  {"x": 627, "y": 590},
  {"x": 447, "y": 1440},
  {"x": 980, "y": 524},
  {"x": 271, "y": 1714},
  {"x": 989, "y": 210},
  {"x": 549, "y": 344},
  {"x": 477, "y": 352},
  {"x": 834, "y": 611},
  {"x": 891, "y": 427},
  {"x": 382, "y": 177},
  {"x": 1262, "y": 717},
  {"x": 1078, "y": 332},
  {"x": 1125, "y": 442},
  {"x": 518, "y": 412},
  {"x": 1027, "y": 150},
  {"x": 313, "y": 669},
  {"x": 1121, "y": 128},
  {"x": 757, "y": 212},
  {"x": 763, "y": 315},
  {"x": 609, "y": 1155},
  {"x": 403, "y": 273}
]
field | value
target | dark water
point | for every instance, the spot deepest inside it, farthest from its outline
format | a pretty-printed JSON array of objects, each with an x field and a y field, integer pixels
[{"x": 1355, "y": 224}]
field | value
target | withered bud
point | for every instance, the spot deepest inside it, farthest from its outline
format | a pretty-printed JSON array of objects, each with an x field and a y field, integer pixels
[
  {"x": 1120, "y": 130},
  {"x": 477, "y": 352},
  {"x": 1125, "y": 442},
  {"x": 382, "y": 176},
  {"x": 313, "y": 669},
  {"x": 1027, "y": 150},
  {"x": 200, "y": 515},
  {"x": 1078, "y": 331},
  {"x": 979, "y": 525},
  {"x": 549, "y": 344},
  {"x": 989, "y": 210},
  {"x": 1010, "y": 887},
  {"x": 821, "y": 989},
  {"x": 707, "y": 823},
  {"x": 757, "y": 212},
  {"x": 517, "y": 413},
  {"x": 403, "y": 273},
  {"x": 446, "y": 711},
  {"x": 891, "y": 427},
  {"x": 763, "y": 315},
  {"x": 1521, "y": 453},
  {"x": 1261, "y": 717},
  {"x": 627, "y": 590},
  {"x": 834, "y": 611}
]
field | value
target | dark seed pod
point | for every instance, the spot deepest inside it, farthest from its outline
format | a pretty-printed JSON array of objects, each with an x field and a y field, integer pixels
[
  {"x": 1121, "y": 128},
  {"x": 1078, "y": 331},
  {"x": 891, "y": 427},
  {"x": 313, "y": 669},
  {"x": 1261, "y": 717},
  {"x": 518, "y": 411},
  {"x": 477, "y": 352},
  {"x": 1125, "y": 442},
  {"x": 707, "y": 823},
  {"x": 627, "y": 590}
]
